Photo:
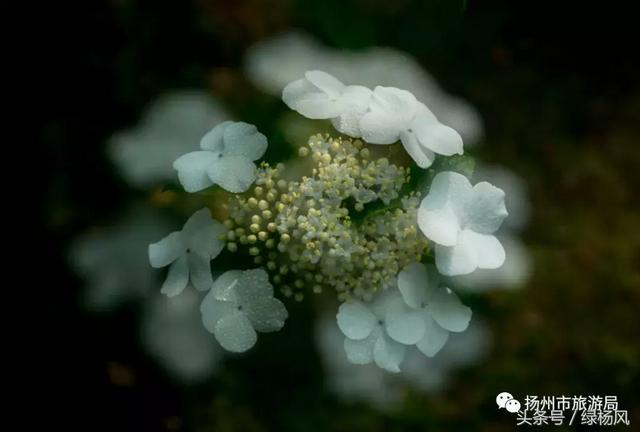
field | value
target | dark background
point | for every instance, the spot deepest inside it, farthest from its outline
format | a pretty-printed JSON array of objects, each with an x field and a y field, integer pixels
[{"x": 557, "y": 87}]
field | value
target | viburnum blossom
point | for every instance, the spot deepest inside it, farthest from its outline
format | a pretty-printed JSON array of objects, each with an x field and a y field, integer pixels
[
  {"x": 382, "y": 116},
  {"x": 461, "y": 219},
  {"x": 239, "y": 304},
  {"x": 189, "y": 253},
  {"x": 348, "y": 221},
  {"x": 226, "y": 158}
]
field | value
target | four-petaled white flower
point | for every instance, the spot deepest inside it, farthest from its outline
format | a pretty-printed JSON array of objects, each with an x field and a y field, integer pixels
[
  {"x": 239, "y": 304},
  {"x": 226, "y": 158},
  {"x": 365, "y": 328},
  {"x": 321, "y": 96},
  {"x": 427, "y": 312},
  {"x": 461, "y": 220},
  {"x": 189, "y": 252},
  {"x": 395, "y": 114}
]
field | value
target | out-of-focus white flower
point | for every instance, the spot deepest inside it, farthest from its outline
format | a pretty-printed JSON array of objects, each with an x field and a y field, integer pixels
[
  {"x": 350, "y": 382},
  {"x": 171, "y": 331},
  {"x": 189, "y": 252},
  {"x": 428, "y": 313},
  {"x": 461, "y": 220},
  {"x": 113, "y": 262},
  {"x": 395, "y": 114},
  {"x": 226, "y": 158},
  {"x": 513, "y": 274},
  {"x": 293, "y": 53},
  {"x": 462, "y": 350},
  {"x": 367, "y": 340},
  {"x": 239, "y": 304},
  {"x": 321, "y": 96},
  {"x": 172, "y": 125}
]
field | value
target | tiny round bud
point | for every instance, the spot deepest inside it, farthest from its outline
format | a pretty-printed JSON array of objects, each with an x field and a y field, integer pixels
[
  {"x": 299, "y": 297},
  {"x": 270, "y": 243},
  {"x": 263, "y": 235},
  {"x": 228, "y": 223},
  {"x": 254, "y": 251},
  {"x": 254, "y": 227},
  {"x": 285, "y": 238},
  {"x": 271, "y": 197},
  {"x": 303, "y": 152},
  {"x": 232, "y": 246},
  {"x": 231, "y": 235},
  {"x": 263, "y": 205},
  {"x": 272, "y": 227},
  {"x": 244, "y": 239},
  {"x": 258, "y": 191},
  {"x": 252, "y": 238},
  {"x": 317, "y": 289},
  {"x": 267, "y": 214},
  {"x": 252, "y": 202},
  {"x": 258, "y": 260},
  {"x": 271, "y": 265}
]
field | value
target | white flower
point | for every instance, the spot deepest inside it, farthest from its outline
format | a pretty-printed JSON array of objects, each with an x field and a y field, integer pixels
[
  {"x": 170, "y": 126},
  {"x": 189, "y": 252},
  {"x": 293, "y": 53},
  {"x": 239, "y": 304},
  {"x": 321, "y": 96},
  {"x": 226, "y": 158},
  {"x": 461, "y": 220},
  {"x": 171, "y": 331},
  {"x": 427, "y": 312},
  {"x": 364, "y": 325},
  {"x": 112, "y": 260},
  {"x": 395, "y": 114}
]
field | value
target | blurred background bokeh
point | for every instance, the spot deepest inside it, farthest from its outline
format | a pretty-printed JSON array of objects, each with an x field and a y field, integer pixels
[{"x": 547, "y": 97}]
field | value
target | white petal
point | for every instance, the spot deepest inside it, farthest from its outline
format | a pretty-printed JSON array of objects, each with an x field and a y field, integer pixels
[
  {"x": 177, "y": 278},
  {"x": 487, "y": 248},
  {"x": 166, "y": 250},
  {"x": 448, "y": 311},
  {"x": 422, "y": 156},
  {"x": 223, "y": 287},
  {"x": 201, "y": 234},
  {"x": 434, "y": 337},
  {"x": 403, "y": 324},
  {"x": 232, "y": 173},
  {"x": 267, "y": 314},
  {"x": 361, "y": 351},
  {"x": 355, "y": 320},
  {"x": 439, "y": 225},
  {"x": 395, "y": 102},
  {"x": 253, "y": 286},
  {"x": 192, "y": 170},
  {"x": 448, "y": 188},
  {"x": 199, "y": 271},
  {"x": 325, "y": 82},
  {"x": 413, "y": 283},
  {"x": 355, "y": 101},
  {"x": 378, "y": 128},
  {"x": 310, "y": 101},
  {"x": 213, "y": 140},
  {"x": 243, "y": 139},
  {"x": 485, "y": 209},
  {"x": 213, "y": 309},
  {"x": 235, "y": 333},
  {"x": 456, "y": 260},
  {"x": 391, "y": 111},
  {"x": 388, "y": 354},
  {"x": 434, "y": 135}
]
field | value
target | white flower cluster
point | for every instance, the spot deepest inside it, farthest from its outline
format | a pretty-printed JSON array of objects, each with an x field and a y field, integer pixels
[{"x": 351, "y": 224}]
